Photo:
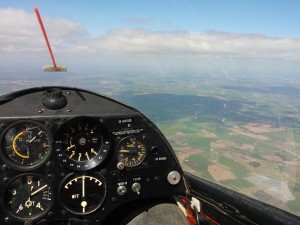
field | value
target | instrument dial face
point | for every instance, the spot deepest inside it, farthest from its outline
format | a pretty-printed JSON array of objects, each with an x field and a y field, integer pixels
[
  {"x": 83, "y": 194},
  {"x": 28, "y": 196},
  {"x": 131, "y": 151},
  {"x": 81, "y": 144},
  {"x": 26, "y": 145}
]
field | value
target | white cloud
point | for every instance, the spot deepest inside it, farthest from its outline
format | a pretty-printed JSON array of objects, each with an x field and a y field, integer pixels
[
  {"x": 21, "y": 37},
  {"x": 137, "y": 41},
  {"x": 20, "y": 31}
]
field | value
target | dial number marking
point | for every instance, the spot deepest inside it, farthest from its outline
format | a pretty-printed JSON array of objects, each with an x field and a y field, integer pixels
[
  {"x": 83, "y": 194},
  {"x": 131, "y": 151}
]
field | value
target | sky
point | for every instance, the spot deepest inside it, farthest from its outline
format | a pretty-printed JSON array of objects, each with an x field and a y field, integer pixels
[{"x": 164, "y": 36}]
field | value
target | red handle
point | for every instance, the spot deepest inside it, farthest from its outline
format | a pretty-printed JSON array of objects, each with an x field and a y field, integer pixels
[{"x": 45, "y": 35}]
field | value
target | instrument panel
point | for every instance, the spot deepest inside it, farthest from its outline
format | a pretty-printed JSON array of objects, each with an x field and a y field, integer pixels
[{"x": 81, "y": 161}]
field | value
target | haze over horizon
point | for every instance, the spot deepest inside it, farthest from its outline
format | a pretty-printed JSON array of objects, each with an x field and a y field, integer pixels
[{"x": 162, "y": 37}]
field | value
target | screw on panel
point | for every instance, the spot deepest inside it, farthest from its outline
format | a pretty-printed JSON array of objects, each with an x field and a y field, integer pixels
[
  {"x": 48, "y": 125},
  {"x": 50, "y": 213},
  {"x": 40, "y": 110},
  {"x": 5, "y": 179},
  {"x": 7, "y": 220},
  {"x": 120, "y": 166},
  {"x": 2, "y": 126},
  {"x": 69, "y": 110},
  {"x": 50, "y": 177},
  {"x": 4, "y": 167},
  {"x": 114, "y": 174},
  {"x": 69, "y": 92},
  {"x": 103, "y": 171}
]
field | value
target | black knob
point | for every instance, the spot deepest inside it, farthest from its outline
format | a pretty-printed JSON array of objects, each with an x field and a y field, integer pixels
[{"x": 54, "y": 99}]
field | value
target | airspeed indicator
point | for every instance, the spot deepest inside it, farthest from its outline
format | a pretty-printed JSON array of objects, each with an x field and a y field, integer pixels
[{"x": 26, "y": 145}]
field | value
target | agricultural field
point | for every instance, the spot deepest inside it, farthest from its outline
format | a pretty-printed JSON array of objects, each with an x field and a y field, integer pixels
[{"x": 244, "y": 136}]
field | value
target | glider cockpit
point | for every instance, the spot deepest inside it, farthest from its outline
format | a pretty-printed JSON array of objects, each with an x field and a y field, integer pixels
[{"x": 73, "y": 156}]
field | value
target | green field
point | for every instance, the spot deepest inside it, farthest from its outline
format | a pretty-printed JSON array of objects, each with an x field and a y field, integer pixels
[{"x": 220, "y": 115}]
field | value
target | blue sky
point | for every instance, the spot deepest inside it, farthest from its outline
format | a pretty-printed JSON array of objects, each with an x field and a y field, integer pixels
[
  {"x": 158, "y": 35},
  {"x": 275, "y": 18}
]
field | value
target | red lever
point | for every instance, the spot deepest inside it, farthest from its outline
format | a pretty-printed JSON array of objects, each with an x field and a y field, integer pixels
[{"x": 45, "y": 35}]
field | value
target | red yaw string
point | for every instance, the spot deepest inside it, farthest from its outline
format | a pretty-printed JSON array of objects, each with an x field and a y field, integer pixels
[{"x": 45, "y": 35}]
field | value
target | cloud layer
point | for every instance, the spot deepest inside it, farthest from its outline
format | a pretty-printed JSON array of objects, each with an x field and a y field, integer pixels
[
  {"x": 20, "y": 31},
  {"x": 138, "y": 41},
  {"x": 21, "y": 34}
]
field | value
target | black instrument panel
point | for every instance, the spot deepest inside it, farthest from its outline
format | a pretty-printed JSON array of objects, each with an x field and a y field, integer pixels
[{"x": 81, "y": 160}]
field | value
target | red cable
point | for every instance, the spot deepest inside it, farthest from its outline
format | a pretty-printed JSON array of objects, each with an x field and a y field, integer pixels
[
  {"x": 211, "y": 219},
  {"x": 190, "y": 213},
  {"x": 45, "y": 35}
]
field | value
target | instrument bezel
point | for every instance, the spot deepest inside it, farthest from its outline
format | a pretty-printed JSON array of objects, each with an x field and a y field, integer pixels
[
  {"x": 49, "y": 206},
  {"x": 14, "y": 164},
  {"x": 85, "y": 165}
]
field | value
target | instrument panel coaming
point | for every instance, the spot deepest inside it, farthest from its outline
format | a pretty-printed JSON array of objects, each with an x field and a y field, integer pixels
[{"x": 83, "y": 160}]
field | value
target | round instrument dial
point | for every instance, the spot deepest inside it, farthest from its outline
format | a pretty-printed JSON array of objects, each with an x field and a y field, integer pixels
[
  {"x": 28, "y": 196},
  {"x": 83, "y": 194},
  {"x": 25, "y": 145},
  {"x": 81, "y": 144},
  {"x": 131, "y": 151}
]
